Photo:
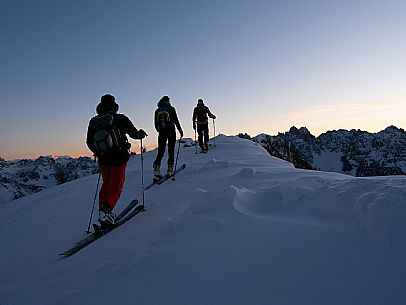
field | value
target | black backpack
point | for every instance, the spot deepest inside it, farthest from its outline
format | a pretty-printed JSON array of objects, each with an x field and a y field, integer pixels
[
  {"x": 164, "y": 119},
  {"x": 107, "y": 136},
  {"x": 201, "y": 114}
]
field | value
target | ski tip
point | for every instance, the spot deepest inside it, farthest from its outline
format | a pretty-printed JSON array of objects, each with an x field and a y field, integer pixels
[
  {"x": 134, "y": 202},
  {"x": 66, "y": 254}
]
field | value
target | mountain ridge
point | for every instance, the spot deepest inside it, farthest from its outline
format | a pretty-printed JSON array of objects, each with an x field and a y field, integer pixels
[
  {"x": 23, "y": 177},
  {"x": 353, "y": 152}
]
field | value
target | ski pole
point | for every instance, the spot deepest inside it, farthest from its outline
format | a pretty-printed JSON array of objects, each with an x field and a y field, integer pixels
[
  {"x": 195, "y": 141},
  {"x": 176, "y": 161},
  {"x": 94, "y": 202},
  {"x": 142, "y": 175},
  {"x": 214, "y": 131}
]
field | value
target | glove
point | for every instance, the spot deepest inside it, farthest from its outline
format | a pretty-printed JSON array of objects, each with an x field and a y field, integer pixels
[
  {"x": 181, "y": 133},
  {"x": 142, "y": 134},
  {"x": 194, "y": 126}
]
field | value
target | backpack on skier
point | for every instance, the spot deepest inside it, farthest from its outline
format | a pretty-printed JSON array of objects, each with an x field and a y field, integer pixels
[
  {"x": 164, "y": 119},
  {"x": 201, "y": 114},
  {"x": 107, "y": 136}
]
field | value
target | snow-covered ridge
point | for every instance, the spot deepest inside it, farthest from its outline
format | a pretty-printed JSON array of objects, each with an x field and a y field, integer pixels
[
  {"x": 238, "y": 226},
  {"x": 24, "y": 177},
  {"x": 354, "y": 152}
]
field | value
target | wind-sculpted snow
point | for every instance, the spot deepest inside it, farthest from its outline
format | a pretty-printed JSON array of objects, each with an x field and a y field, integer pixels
[
  {"x": 378, "y": 206},
  {"x": 236, "y": 227},
  {"x": 262, "y": 204},
  {"x": 211, "y": 205}
]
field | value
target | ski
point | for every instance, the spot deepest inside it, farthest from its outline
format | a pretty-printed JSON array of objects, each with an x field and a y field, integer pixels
[
  {"x": 126, "y": 210},
  {"x": 167, "y": 177},
  {"x": 129, "y": 212},
  {"x": 164, "y": 178},
  {"x": 151, "y": 184}
]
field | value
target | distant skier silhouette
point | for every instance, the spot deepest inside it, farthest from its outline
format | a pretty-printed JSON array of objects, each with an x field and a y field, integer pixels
[
  {"x": 200, "y": 121},
  {"x": 165, "y": 120}
]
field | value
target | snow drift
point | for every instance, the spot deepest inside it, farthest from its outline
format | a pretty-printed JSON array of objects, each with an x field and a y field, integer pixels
[{"x": 236, "y": 227}]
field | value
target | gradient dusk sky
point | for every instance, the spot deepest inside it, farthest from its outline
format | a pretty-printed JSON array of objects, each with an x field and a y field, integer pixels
[{"x": 260, "y": 66}]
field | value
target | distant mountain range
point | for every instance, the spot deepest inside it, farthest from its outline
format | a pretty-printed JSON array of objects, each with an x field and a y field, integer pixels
[
  {"x": 23, "y": 177},
  {"x": 353, "y": 152}
]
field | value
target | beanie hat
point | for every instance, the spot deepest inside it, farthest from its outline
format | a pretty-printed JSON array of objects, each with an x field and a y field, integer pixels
[
  {"x": 165, "y": 98},
  {"x": 107, "y": 104},
  {"x": 107, "y": 98}
]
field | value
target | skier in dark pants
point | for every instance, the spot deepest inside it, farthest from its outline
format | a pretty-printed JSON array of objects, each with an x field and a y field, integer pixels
[
  {"x": 106, "y": 138},
  {"x": 200, "y": 119},
  {"x": 165, "y": 120}
]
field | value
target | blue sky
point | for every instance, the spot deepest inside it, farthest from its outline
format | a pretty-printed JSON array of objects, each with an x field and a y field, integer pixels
[{"x": 261, "y": 66}]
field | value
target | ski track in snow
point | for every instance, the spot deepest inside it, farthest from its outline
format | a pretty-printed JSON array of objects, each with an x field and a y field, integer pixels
[{"x": 236, "y": 227}]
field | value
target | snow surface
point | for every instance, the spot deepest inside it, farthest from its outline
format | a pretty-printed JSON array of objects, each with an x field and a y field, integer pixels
[
  {"x": 329, "y": 161},
  {"x": 238, "y": 226}
]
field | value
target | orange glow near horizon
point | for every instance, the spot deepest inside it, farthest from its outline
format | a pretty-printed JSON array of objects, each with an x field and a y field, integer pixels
[
  {"x": 67, "y": 152},
  {"x": 371, "y": 117}
]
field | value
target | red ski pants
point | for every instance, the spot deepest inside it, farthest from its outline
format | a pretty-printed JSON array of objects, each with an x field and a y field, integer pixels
[{"x": 113, "y": 182}]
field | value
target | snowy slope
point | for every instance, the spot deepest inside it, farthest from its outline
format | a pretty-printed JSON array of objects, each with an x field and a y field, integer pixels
[{"x": 236, "y": 227}]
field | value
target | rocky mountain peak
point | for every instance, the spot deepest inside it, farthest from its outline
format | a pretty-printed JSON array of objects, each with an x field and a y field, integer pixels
[
  {"x": 354, "y": 152},
  {"x": 23, "y": 177}
]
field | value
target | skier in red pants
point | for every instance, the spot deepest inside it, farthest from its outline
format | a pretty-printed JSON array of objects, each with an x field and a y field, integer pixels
[{"x": 106, "y": 138}]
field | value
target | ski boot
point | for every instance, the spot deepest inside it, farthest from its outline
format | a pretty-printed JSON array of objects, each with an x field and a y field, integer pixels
[
  {"x": 169, "y": 171},
  {"x": 106, "y": 217},
  {"x": 157, "y": 172}
]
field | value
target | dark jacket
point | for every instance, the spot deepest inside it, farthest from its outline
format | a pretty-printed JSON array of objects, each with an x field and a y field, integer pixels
[
  {"x": 165, "y": 106},
  {"x": 124, "y": 125},
  {"x": 203, "y": 111}
]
